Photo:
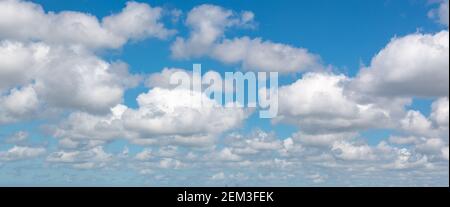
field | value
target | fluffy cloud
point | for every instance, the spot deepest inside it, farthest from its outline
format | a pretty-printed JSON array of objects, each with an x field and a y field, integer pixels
[
  {"x": 21, "y": 153},
  {"x": 414, "y": 65},
  {"x": 19, "y": 104},
  {"x": 323, "y": 140},
  {"x": 258, "y": 55},
  {"x": 416, "y": 123},
  {"x": 61, "y": 77},
  {"x": 319, "y": 103},
  {"x": 207, "y": 24},
  {"x": 440, "y": 112},
  {"x": 137, "y": 21},
  {"x": 22, "y": 20},
  {"x": 94, "y": 157},
  {"x": 19, "y": 62},
  {"x": 349, "y": 151},
  {"x": 257, "y": 143},
  {"x": 165, "y": 111},
  {"x": 164, "y": 116}
]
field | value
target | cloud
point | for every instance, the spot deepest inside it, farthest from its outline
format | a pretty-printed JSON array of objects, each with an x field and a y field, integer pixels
[
  {"x": 404, "y": 140},
  {"x": 23, "y": 20},
  {"x": 412, "y": 66},
  {"x": 320, "y": 103},
  {"x": 256, "y": 143},
  {"x": 440, "y": 112},
  {"x": 445, "y": 153},
  {"x": 258, "y": 55},
  {"x": 90, "y": 158},
  {"x": 323, "y": 140},
  {"x": 19, "y": 104},
  {"x": 416, "y": 123},
  {"x": 164, "y": 116},
  {"x": 207, "y": 24},
  {"x": 18, "y": 137},
  {"x": 21, "y": 153},
  {"x": 162, "y": 79},
  {"x": 350, "y": 151},
  {"x": 227, "y": 155},
  {"x": 49, "y": 64},
  {"x": 441, "y": 13},
  {"x": 137, "y": 21},
  {"x": 59, "y": 77}
]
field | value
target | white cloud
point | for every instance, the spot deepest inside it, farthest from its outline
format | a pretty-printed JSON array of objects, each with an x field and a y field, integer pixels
[
  {"x": 414, "y": 65},
  {"x": 21, "y": 153},
  {"x": 445, "y": 153},
  {"x": 416, "y": 123},
  {"x": 441, "y": 13},
  {"x": 19, "y": 63},
  {"x": 407, "y": 160},
  {"x": 440, "y": 112},
  {"x": 146, "y": 154},
  {"x": 163, "y": 117},
  {"x": 410, "y": 140},
  {"x": 164, "y": 111},
  {"x": 227, "y": 155},
  {"x": 18, "y": 137},
  {"x": 137, "y": 21},
  {"x": 323, "y": 140},
  {"x": 207, "y": 24},
  {"x": 23, "y": 20},
  {"x": 319, "y": 103},
  {"x": 90, "y": 158},
  {"x": 67, "y": 78},
  {"x": 259, "y": 55},
  {"x": 218, "y": 176},
  {"x": 162, "y": 79},
  {"x": 207, "y": 38},
  {"x": 431, "y": 146},
  {"x": 18, "y": 104},
  {"x": 170, "y": 163},
  {"x": 255, "y": 143}
]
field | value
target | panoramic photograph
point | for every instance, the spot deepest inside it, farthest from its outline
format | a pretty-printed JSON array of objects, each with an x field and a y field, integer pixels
[{"x": 224, "y": 93}]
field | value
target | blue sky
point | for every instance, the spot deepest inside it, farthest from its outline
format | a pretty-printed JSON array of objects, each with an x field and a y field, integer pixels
[{"x": 344, "y": 35}]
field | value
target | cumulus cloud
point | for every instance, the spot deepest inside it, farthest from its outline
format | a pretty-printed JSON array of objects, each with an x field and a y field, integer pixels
[
  {"x": 416, "y": 123},
  {"x": 226, "y": 154},
  {"x": 60, "y": 77},
  {"x": 319, "y": 103},
  {"x": 19, "y": 104},
  {"x": 412, "y": 66},
  {"x": 258, "y": 55},
  {"x": 90, "y": 158},
  {"x": 21, "y": 153},
  {"x": 208, "y": 24},
  {"x": 256, "y": 143},
  {"x": 23, "y": 20},
  {"x": 350, "y": 151},
  {"x": 440, "y": 112},
  {"x": 164, "y": 116},
  {"x": 48, "y": 61}
]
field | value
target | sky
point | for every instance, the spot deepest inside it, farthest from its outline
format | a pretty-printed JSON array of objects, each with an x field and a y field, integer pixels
[{"x": 85, "y": 98}]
